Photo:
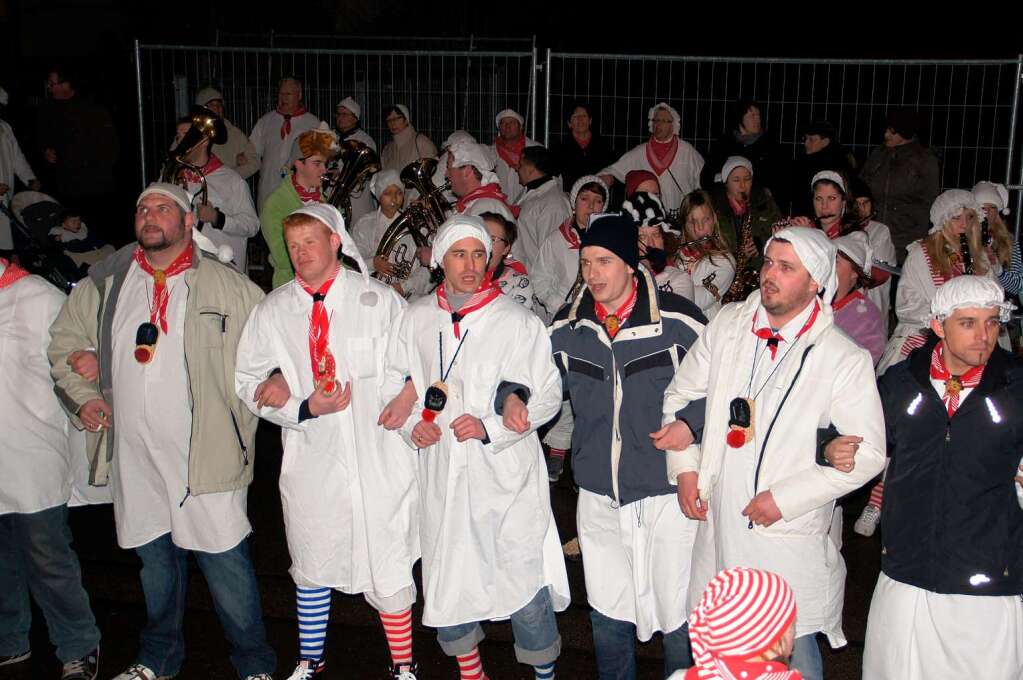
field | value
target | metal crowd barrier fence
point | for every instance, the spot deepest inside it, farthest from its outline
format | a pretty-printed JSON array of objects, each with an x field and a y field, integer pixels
[
  {"x": 969, "y": 109},
  {"x": 444, "y": 90}
]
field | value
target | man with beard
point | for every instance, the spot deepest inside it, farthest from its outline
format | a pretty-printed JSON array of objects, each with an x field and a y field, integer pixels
[
  {"x": 775, "y": 373},
  {"x": 177, "y": 449}
]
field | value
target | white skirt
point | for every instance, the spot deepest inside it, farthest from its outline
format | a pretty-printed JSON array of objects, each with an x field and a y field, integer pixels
[
  {"x": 636, "y": 560},
  {"x": 914, "y": 633}
]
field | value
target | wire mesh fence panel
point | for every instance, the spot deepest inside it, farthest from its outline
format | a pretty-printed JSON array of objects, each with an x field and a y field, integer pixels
[
  {"x": 967, "y": 108},
  {"x": 444, "y": 90}
]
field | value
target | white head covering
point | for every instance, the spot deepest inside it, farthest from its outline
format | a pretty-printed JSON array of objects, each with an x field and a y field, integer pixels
[
  {"x": 335, "y": 221},
  {"x": 950, "y": 204},
  {"x": 731, "y": 163},
  {"x": 476, "y": 155},
  {"x": 969, "y": 291},
  {"x": 817, "y": 253},
  {"x": 206, "y": 95},
  {"x": 857, "y": 246},
  {"x": 509, "y": 113},
  {"x": 456, "y": 137},
  {"x": 404, "y": 112},
  {"x": 676, "y": 120},
  {"x": 352, "y": 106},
  {"x": 224, "y": 253},
  {"x": 454, "y": 229},
  {"x": 991, "y": 193},
  {"x": 831, "y": 176},
  {"x": 382, "y": 180},
  {"x": 580, "y": 183},
  {"x": 3, "y": 97}
]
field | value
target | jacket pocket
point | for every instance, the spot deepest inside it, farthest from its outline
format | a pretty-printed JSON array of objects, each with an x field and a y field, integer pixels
[{"x": 212, "y": 328}]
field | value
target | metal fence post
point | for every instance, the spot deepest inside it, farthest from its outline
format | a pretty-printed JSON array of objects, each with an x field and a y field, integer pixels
[
  {"x": 533, "y": 83},
  {"x": 138, "y": 93},
  {"x": 1012, "y": 145},
  {"x": 547, "y": 102}
]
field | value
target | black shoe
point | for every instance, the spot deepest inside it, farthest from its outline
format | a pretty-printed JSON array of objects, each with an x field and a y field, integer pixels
[
  {"x": 86, "y": 668},
  {"x": 12, "y": 659},
  {"x": 405, "y": 671}
]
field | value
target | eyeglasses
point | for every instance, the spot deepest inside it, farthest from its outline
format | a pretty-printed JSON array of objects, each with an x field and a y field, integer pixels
[{"x": 393, "y": 119}]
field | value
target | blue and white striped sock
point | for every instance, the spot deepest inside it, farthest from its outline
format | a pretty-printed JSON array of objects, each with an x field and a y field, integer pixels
[
  {"x": 544, "y": 672},
  {"x": 313, "y": 616}
]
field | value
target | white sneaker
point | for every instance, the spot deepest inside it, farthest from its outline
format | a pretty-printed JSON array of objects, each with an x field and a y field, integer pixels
[
  {"x": 139, "y": 672},
  {"x": 867, "y": 523},
  {"x": 307, "y": 669},
  {"x": 259, "y": 676}
]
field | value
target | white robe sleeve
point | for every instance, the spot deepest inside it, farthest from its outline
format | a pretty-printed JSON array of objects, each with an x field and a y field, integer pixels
[
  {"x": 21, "y": 167},
  {"x": 549, "y": 272},
  {"x": 398, "y": 367},
  {"x": 855, "y": 410},
  {"x": 240, "y": 218},
  {"x": 689, "y": 384},
  {"x": 258, "y": 355},
  {"x": 627, "y": 162},
  {"x": 723, "y": 270},
  {"x": 258, "y": 142},
  {"x": 531, "y": 364},
  {"x": 914, "y": 292}
]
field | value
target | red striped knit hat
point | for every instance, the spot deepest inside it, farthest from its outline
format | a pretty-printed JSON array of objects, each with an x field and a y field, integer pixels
[{"x": 742, "y": 613}]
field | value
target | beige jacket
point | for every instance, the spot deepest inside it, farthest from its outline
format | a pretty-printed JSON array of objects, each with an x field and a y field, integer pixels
[
  {"x": 238, "y": 142},
  {"x": 218, "y": 305}
]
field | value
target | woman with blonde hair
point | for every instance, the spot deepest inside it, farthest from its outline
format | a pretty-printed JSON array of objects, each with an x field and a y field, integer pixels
[
  {"x": 953, "y": 247},
  {"x": 994, "y": 201},
  {"x": 704, "y": 252}
]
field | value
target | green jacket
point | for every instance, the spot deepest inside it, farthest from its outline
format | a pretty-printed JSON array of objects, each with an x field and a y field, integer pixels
[
  {"x": 764, "y": 213},
  {"x": 218, "y": 305},
  {"x": 282, "y": 202}
]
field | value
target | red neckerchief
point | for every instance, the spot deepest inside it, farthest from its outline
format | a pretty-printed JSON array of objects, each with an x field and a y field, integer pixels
[
  {"x": 583, "y": 143},
  {"x": 211, "y": 166},
  {"x": 620, "y": 316},
  {"x": 486, "y": 191},
  {"x": 569, "y": 233},
  {"x": 660, "y": 155},
  {"x": 516, "y": 266},
  {"x": 158, "y": 308},
  {"x": 738, "y": 207},
  {"x": 324, "y": 367},
  {"x": 954, "y": 384},
  {"x": 510, "y": 153},
  {"x": 766, "y": 333},
  {"x": 304, "y": 194},
  {"x": 725, "y": 667},
  {"x": 832, "y": 231},
  {"x": 12, "y": 273},
  {"x": 286, "y": 126},
  {"x": 854, "y": 295},
  {"x": 484, "y": 295}
]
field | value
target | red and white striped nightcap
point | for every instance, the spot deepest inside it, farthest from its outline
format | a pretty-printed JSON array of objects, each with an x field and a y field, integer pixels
[{"x": 742, "y": 613}]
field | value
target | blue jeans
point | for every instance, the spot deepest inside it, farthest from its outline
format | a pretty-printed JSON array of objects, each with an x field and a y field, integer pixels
[
  {"x": 537, "y": 642},
  {"x": 806, "y": 658},
  {"x": 232, "y": 583},
  {"x": 36, "y": 557},
  {"x": 614, "y": 642}
]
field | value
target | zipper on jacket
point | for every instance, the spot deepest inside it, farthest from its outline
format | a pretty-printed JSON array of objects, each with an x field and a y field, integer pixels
[
  {"x": 767, "y": 436},
  {"x": 238, "y": 434},
  {"x": 615, "y": 434}
]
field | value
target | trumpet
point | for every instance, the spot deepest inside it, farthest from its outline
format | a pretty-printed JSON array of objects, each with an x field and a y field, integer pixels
[{"x": 206, "y": 125}]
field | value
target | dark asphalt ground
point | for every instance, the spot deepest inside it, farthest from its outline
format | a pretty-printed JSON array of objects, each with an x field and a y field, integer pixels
[{"x": 356, "y": 648}]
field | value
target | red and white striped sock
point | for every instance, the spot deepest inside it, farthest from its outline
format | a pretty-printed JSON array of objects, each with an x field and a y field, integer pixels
[
  {"x": 558, "y": 453},
  {"x": 470, "y": 666},
  {"x": 876, "y": 495},
  {"x": 398, "y": 629}
]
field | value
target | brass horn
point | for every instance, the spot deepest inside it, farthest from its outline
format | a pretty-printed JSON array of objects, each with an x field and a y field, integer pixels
[
  {"x": 206, "y": 125},
  {"x": 357, "y": 163}
]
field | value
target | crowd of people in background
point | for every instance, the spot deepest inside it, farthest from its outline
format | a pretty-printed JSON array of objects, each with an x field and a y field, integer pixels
[{"x": 628, "y": 316}]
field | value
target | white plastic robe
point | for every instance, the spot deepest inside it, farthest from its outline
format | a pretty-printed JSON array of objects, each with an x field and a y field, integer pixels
[
  {"x": 543, "y": 209},
  {"x": 717, "y": 271},
  {"x": 508, "y": 175},
  {"x": 554, "y": 274},
  {"x": 36, "y": 456},
  {"x": 274, "y": 152},
  {"x": 880, "y": 239},
  {"x": 677, "y": 281},
  {"x": 12, "y": 163},
  {"x": 835, "y": 387},
  {"x": 367, "y": 234},
  {"x": 229, "y": 193},
  {"x": 347, "y": 486},
  {"x": 685, "y": 168},
  {"x": 488, "y": 535}
]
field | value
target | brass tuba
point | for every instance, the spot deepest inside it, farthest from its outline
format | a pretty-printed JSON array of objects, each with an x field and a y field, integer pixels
[
  {"x": 356, "y": 163},
  {"x": 420, "y": 219},
  {"x": 206, "y": 125}
]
